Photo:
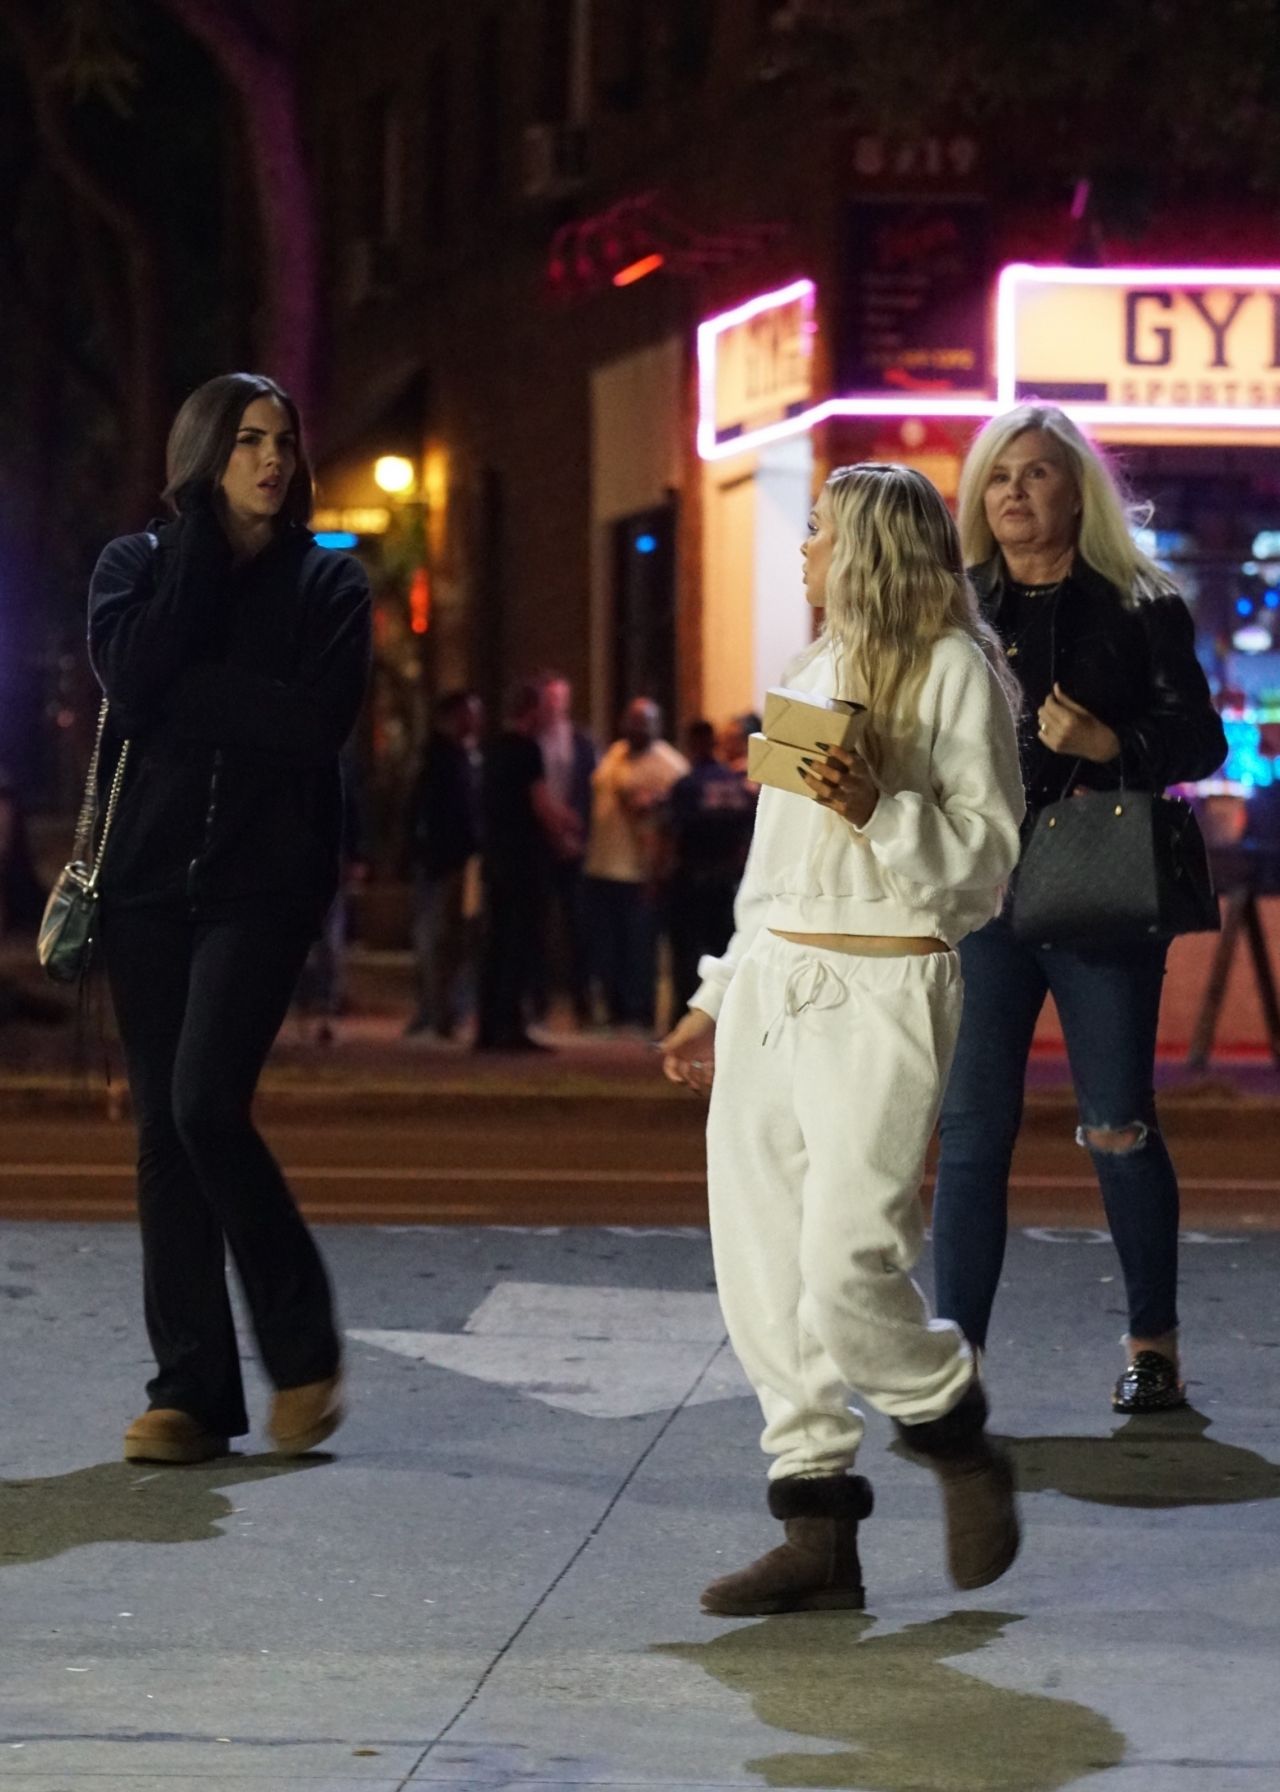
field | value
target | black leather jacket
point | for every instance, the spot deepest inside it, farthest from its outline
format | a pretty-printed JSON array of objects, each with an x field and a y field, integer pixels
[{"x": 1135, "y": 669}]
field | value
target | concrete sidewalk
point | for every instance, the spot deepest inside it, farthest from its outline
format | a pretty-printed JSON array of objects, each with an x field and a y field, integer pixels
[
  {"x": 493, "y": 1581},
  {"x": 363, "y": 1059}
]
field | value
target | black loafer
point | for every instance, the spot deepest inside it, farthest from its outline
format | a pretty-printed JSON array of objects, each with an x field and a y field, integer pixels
[{"x": 1149, "y": 1384}]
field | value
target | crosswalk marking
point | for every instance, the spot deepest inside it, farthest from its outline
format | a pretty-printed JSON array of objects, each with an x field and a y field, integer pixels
[{"x": 601, "y": 1352}]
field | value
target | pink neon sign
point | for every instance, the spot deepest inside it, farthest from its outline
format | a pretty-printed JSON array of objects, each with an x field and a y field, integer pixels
[
  {"x": 711, "y": 446},
  {"x": 1153, "y": 362},
  {"x": 1013, "y": 280}
]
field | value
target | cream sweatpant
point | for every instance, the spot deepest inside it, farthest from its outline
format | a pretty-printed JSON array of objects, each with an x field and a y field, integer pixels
[{"x": 829, "y": 1073}]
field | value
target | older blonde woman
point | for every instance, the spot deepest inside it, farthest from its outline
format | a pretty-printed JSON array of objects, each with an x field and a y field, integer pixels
[
  {"x": 829, "y": 1023},
  {"x": 1103, "y": 649}
]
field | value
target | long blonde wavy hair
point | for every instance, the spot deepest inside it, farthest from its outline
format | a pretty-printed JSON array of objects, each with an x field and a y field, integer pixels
[
  {"x": 895, "y": 586},
  {"x": 1107, "y": 515}
]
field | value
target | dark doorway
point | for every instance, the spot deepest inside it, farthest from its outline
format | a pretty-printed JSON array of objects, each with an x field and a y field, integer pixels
[{"x": 644, "y": 611}]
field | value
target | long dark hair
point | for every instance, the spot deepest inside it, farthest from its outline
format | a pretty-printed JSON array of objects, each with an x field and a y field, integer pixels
[{"x": 204, "y": 434}]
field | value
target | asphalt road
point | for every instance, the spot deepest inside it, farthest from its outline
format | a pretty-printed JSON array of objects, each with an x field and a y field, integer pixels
[
  {"x": 589, "y": 1162},
  {"x": 490, "y": 1579}
]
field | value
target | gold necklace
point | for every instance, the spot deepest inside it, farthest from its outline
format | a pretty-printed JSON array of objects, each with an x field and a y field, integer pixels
[{"x": 1024, "y": 633}]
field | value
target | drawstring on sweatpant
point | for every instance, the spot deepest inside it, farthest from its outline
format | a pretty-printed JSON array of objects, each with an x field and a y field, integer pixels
[{"x": 796, "y": 997}]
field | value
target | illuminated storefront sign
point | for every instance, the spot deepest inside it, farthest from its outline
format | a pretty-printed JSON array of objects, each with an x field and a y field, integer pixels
[
  {"x": 755, "y": 385},
  {"x": 913, "y": 297},
  {"x": 760, "y": 365},
  {"x": 1191, "y": 347},
  {"x": 1187, "y": 352},
  {"x": 370, "y": 520}
]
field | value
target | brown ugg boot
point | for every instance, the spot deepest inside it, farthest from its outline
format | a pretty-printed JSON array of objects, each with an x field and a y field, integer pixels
[
  {"x": 166, "y": 1435},
  {"x": 817, "y": 1568},
  {"x": 303, "y": 1417},
  {"x": 976, "y": 1477}
]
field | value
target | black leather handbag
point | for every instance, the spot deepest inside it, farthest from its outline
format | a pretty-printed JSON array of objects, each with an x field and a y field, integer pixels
[
  {"x": 64, "y": 944},
  {"x": 1112, "y": 866}
]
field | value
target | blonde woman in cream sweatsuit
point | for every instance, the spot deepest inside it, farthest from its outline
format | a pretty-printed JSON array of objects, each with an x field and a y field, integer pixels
[{"x": 825, "y": 1034}]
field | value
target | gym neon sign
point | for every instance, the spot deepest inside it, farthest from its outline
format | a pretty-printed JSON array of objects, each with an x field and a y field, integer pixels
[
  {"x": 1174, "y": 348},
  {"x": 1191, "y": 348}
]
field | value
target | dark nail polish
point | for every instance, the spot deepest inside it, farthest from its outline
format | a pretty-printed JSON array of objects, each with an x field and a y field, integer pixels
[
  {"x": 806, "y": 762},
  {"x": 823, "y": 746}
]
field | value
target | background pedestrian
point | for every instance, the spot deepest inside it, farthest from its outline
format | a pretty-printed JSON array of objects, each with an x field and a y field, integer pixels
[
  {"x": 734, "y": 736},
  {"x": 524, "y": 828},
  {"x": 444, "y": 844},
  {"x": 709, "y": 822},
  {"x": 630, "y": 789},
  {"x": 569, "y": 759}
]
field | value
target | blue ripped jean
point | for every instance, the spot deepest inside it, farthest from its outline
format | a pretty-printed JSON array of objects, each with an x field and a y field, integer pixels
[{"x": 1108, "y": 1001}]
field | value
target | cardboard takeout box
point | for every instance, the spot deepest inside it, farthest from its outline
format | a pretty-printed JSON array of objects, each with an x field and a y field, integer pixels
[
  {"x": 773, "y": 762},
  {"x": 801, "y": 719}
]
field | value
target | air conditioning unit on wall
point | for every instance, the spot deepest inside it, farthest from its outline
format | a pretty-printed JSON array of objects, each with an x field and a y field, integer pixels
[{"x": 553, "y": 161}]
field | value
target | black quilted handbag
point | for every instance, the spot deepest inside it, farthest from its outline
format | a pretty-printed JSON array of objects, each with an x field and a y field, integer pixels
[{"x": 1111, "y": 866}]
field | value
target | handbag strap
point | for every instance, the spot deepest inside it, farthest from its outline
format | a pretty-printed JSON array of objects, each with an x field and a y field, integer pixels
[
  {"x": 82, "y": 852},
  {"x": 113, "y": 798},
  {"x": 82, "y": 845}
]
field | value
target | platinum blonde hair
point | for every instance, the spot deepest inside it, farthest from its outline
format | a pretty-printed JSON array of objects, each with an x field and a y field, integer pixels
[
  {"x": 1107, "y": 517},
  {"x": 895, "y": 586}
]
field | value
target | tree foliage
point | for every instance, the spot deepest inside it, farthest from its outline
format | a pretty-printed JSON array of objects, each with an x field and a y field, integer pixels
[
  {"x": 113, "y": 277},
  {"x": 249, "y": 47},
  {"x": 1148, "y": 99}
]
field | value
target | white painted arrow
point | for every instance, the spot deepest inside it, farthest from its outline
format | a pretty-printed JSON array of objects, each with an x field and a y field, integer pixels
[{"x": 607, "y": 1353}]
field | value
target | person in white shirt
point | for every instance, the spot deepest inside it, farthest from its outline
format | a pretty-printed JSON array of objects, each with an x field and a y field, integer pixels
[
  {"x": 825, "y": 1034},
  {"x": 630, "y": 788}
]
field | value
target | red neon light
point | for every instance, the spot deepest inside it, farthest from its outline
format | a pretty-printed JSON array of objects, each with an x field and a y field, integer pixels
[
  {"x": 420, "y": 602},
  {"x": 637, "y": 270}
]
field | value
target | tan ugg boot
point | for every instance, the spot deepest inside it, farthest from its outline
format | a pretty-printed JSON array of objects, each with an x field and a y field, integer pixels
[
  {"x": 817, "y": 1568},
  {"x": 976, "y": 1477},
  {"x": 167, "y": 1435},
  {"x": 303, "y": 1417}
]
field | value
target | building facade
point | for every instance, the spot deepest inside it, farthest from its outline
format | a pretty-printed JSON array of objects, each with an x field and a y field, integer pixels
[{"x": 621, "y": 288}]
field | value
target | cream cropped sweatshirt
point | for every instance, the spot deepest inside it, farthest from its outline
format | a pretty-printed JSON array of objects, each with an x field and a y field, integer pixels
[{"x": 933, "y": 858}]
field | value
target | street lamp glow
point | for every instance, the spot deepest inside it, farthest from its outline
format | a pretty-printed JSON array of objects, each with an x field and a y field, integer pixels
[{"x": 393, "y": 473}]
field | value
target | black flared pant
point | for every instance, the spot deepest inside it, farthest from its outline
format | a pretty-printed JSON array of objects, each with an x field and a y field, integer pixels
[{"x": 198, "y": 1003}]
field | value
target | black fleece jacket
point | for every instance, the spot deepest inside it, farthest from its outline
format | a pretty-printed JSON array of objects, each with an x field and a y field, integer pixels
[
  {"x": 237, "y": 687},
  {"x": 1135, "y": 669}
]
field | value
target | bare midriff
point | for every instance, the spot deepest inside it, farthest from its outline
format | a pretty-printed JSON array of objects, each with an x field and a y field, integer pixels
[{"x": 866, "y": 945}]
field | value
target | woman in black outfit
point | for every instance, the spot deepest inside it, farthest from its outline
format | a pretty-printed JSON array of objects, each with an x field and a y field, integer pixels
[
  {"x": 1104, "y": 650},
  {"x": 234, "y": 653}
]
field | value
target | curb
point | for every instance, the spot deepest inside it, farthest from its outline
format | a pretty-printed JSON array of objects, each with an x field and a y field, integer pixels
[{"x": 1212, "y": 1109}]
